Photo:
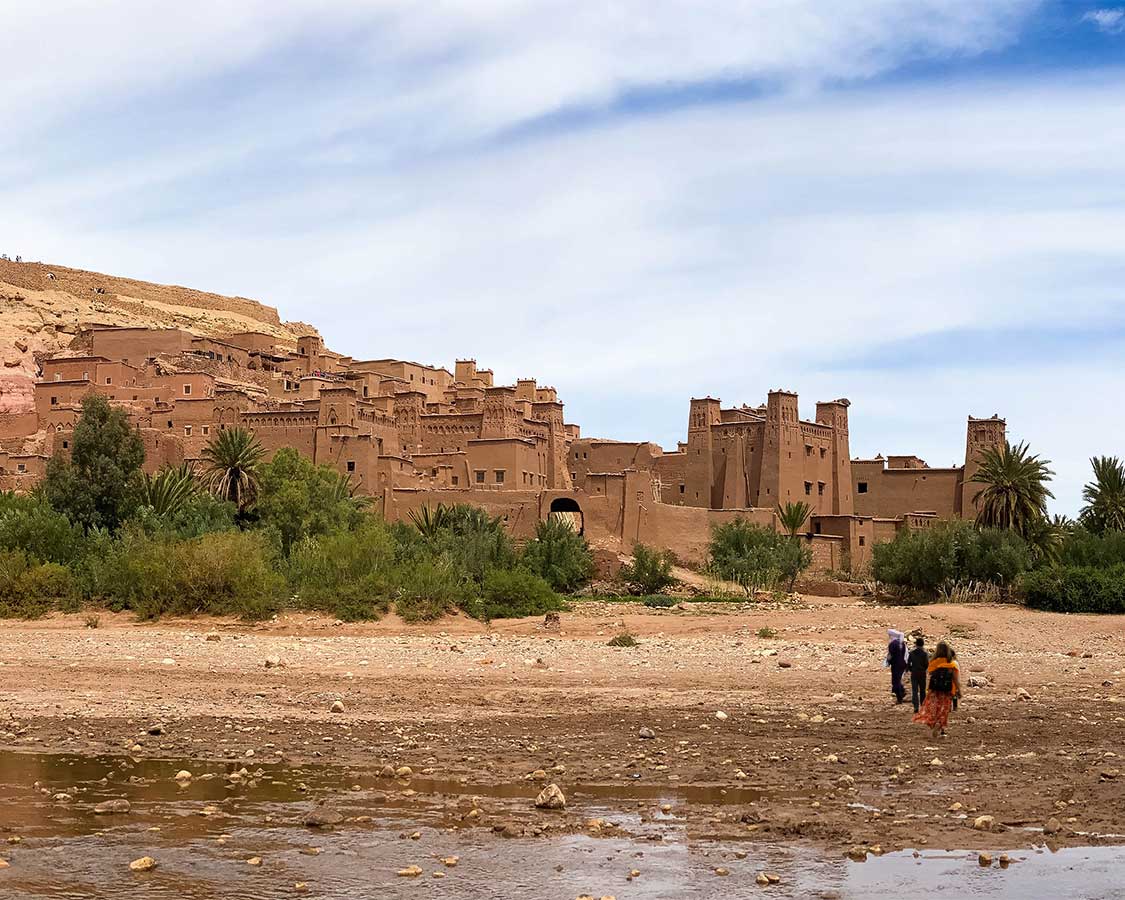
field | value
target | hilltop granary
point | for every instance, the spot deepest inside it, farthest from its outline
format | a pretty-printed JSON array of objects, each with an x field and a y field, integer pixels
[{"x": 411, "y": 435}]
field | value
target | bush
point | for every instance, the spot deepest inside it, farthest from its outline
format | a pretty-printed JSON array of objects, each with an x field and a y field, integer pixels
[
  {"x": 1079, "y": 589},
  {"x": 345, "y": 572},
  {"x": 431, "y": 588},
  {"x": 31, "y": 525},
  {"x": 559, "y": 555},
  {"x": 623, "y": 640},
  {"x": 756, "y": 557},
  {"x": 1083, "y": 548},
  {"x": 659, "y": 602},
  {"x": 650, "y": 572},
  {"x": 949, "y": 554},
  {"x": 226, "y": 573},
  {"x": 513, "y": 594},
  {"x": 29, "y": 588}
]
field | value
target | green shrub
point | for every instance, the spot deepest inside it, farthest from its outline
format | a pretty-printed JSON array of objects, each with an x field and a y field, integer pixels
[
  {"x": 623, "y": 640},
  {"x": 342, "y": 567},
  {"x": 429, "y": 589},
  {"x": 559, "y": 555},
  {"x": 659, "y": 602},
  {"x": 650, "y": 572},
  {"x": 936, "y": 559},
  {"x": 513, "y": 594},
  {"x": 755, "y": 557},
  {"x": 226, "y": 573},
  {"x": 29, "y": 588},
  {"x": 30, "y": 525},
  {"x": 1078, "y": 589},
  {"x": 1100, "y": 551}
]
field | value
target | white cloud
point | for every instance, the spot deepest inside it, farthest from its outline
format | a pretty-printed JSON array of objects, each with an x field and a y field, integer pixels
[{"x": 1110, "y": 20}]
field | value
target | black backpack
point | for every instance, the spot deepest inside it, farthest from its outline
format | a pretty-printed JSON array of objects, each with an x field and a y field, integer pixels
[{"x": 942, "y": 680}]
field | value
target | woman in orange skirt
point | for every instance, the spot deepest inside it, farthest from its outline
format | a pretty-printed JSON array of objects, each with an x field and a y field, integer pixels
[{"x": 945, "y": 683}]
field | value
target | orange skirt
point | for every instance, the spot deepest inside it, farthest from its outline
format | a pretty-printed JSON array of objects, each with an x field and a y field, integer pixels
[{"x": 935, "y": 710}]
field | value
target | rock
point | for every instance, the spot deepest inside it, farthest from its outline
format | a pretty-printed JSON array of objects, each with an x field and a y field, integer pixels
[
  {"x": 111, "y": 807},
  {"x": 721, "y": 716},
  {"x": 301, "y": 887},
  {"x": 1023, "y": 694},
  {"x": 845, "y": 780},
  {"x": 551, "y": 797},
  {"x": 858, "y": 854},
  {"x": 274, "y": 662},
  {"x": 21, "y": 345},
  {"x": 156, "y": 730},
  {"x": 784, "y": 664},
  {"x": 143, "y": 864},
  {"x": 409, "y": 872},
  {"x": 1053, "y": 826},
  {"x": 538, "y": 775},
  {"x": 978, "y": 681},
  {"x": 772, "y": 878},
  {"x": 936, "y": 762},
  {"x": 214, "y": 638},
  {"x": 721, "y": 870},
  {"x": 762, "y": 879},
  {"x": 337, "y": 706},
  {"x": 322, "y": 817},
  {"x": 1005, "y": 860},
  {"x": 1109, "y": 774},
  {"x": 985, "y": 860},
  {"x": 984, "y": 823},
  {"x": 167, "y": 661},
  {"x": 183, "y": 775},
  {"x": 646, "y": 734},
  {"x": 254, "y": 861},
  {"x": 387, "y": 771},
  {"x": 450, "y": 861},
  {"x": 403, "y": 772}
]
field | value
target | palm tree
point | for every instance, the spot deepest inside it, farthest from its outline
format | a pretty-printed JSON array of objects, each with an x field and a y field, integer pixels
[
  {"x": 344, "y": 491},
  {"x": 168, "y": 490},
  {"x": 430, "y": 520},
  {"x": 231, "y": 461},
  {"x": 1105, "y": 496},
  {"x": 793, "y": 516},
  {"x": 1015, "y": 489}
]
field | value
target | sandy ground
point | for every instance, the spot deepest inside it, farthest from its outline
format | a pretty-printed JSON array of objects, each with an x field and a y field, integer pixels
[{"x": 811, "y": 745}]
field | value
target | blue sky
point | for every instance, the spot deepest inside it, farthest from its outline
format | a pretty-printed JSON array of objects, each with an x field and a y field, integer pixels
[{"x": 917, "y": 204}]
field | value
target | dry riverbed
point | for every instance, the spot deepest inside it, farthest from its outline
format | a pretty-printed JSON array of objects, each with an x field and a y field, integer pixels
[{"x": 738, "y": 737}]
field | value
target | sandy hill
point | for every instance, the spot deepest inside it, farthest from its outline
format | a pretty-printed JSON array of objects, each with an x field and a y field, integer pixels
[{"x": 42, "y": 308}]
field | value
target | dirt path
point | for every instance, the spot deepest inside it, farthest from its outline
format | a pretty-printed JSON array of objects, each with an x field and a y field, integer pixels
[{"x": 810, "y": 745}]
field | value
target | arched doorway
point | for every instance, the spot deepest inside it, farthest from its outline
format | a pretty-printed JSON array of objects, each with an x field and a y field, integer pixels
[{"x": 566, "y": 509}]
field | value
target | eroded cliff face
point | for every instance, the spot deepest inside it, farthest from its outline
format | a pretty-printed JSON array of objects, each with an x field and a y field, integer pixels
[{"x": 43, "y": 308}]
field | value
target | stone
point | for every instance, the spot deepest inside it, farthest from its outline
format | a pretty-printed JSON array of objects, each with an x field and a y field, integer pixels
[
  {"x": 845, "y": 780},
  {"x": 762, "y": 879},
  {"x": 323, "y": 817},
  {"x": 1005, "y": 860},
  {"x": 721, "y": 716},
  {"x": 156, "y": 730},
  {"x": 551, "y": 797},
  {"x": 772, "y": 878},
  {"x": 301, "y": 887},
  {"x": 409, "y": 872},
  {"x": 936, "y": 762},
  {"x": 646, "y": 734},
  {"x": 978, "y": 681},
  {"x": 1053, "y": 826},
  {"x": 984, "y": 823},
  {"x": 4, "y": 864},
  {"x": 183, "y": 775},
  {"x": 143, "y": 864},
  {"x": 337, "y": 706},
  {"x": 21, "y": 345},
  {"x": 403, "y": 772},
  {"x": 985, "y": 860},
  {"x": 722, "y": 871},
  {"x": 254, "y": 861},
  {"x": 784, "y": 664},
  {"x": 857, "y": 854},
  {"x": 1023, "y": 694},
  {"x": 212, "y": 637},
  {"x": 274, "y": 662},
  {"x": 111, "y": 807},
  {"x": 450, "y": 861},
  {"x": 387, "y": 771}
]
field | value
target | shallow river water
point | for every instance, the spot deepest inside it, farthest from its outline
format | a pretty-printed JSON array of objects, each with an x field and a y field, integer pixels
[{"x": 203, "y": 833}]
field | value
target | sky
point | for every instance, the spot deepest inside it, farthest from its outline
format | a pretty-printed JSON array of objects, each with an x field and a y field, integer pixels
[{"x": 915, "y": 204}]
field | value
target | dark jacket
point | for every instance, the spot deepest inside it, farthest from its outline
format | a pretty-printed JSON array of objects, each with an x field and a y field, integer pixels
[{"x": 919, "y": 662}]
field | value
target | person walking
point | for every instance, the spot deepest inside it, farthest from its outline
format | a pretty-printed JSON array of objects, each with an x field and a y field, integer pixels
[
  {"x": 945, "y": 683},
  {"x": 896, "y": 661},
  {"x": 918, "y": 662}
]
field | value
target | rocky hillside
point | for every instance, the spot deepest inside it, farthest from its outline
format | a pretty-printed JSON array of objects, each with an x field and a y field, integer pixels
[{"x": 42, "y": 308}]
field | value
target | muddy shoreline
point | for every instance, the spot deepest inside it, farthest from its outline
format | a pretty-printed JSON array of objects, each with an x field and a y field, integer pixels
[{"x": 810, "y": 749}]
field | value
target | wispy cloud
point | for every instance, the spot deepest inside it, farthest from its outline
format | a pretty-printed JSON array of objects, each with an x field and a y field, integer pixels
[{"x": 1111, "y": 20}]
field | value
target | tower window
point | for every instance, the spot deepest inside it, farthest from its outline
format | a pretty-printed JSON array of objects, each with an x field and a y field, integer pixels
[
  {"x": 351, "y": 465},
  {"x": 187, "y": 389},
  {"x": 861, "y": 487},
  {"x": 808, "y": 488},
  {"x": 499, "y": 474},
  {"x": 478, "y": 476}
]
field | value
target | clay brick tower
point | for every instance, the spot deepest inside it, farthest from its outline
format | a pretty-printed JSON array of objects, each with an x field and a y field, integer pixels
[
  {"x": 408, "y": 408},
  {"x": 835, "y": 414},
  {"x": 980, "y": 435},
  {"x": 699, "y": 468},
  {"x": 782, "y": 479}
]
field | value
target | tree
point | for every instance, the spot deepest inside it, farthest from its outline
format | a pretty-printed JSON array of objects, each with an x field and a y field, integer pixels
[
  {"x": 96, "y": 487},
  {"x": 559, "y": 555},
  {"x": 168, "y": 490},
  {"x": 1104, "y": 509},
  {"x": 1015, "y": 490},
  {"x": 231, "y": 462},
  {"x": 793, "y": 516},
  {"x": 650, "y": 572},
  {"x": 756, "y": 557}
]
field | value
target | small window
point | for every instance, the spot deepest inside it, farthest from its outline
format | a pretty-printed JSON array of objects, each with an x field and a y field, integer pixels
[
  {"x": 20, "y": 467},
  {"x": 108, "y": 380},
  {"x": 808, "y": 449},
  {"x": 187, "y": 431},
  {"x": 478, "y": 475},
  {"x": 862, "y": 541},
  {"x": 682, "y": 488},
  {"x": 58, "y": 376},
  {"x": 456, "y": 480},
  {"x": 206, "y": 429},
  {"x": 351, "y": 465},
  {"x": 433, "y": 472},
  {"x": 499, "y": 476},
  {"x": 169, "y": 423},
  {"x": 861, "y": 487},
  {"x": 820, "y": 488},
  {"x": 816, "y": 527},
  {"x": 584, "y": 456},
  {"x": 85, "y": 376},
  {"x": 54, "y": 401},
  {"x": 808, "y": 488},
  {"x": 65, "y": 444},
  {"x": 823, "y": 452},
  {"x": 187, "y": 389}
]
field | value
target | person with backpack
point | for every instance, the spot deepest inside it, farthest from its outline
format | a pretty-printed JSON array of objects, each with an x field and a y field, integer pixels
[
  {"x": 896, "y": 662},
  {"x": 945, "y": 682},
  {"x": 919, "y": 664}
]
